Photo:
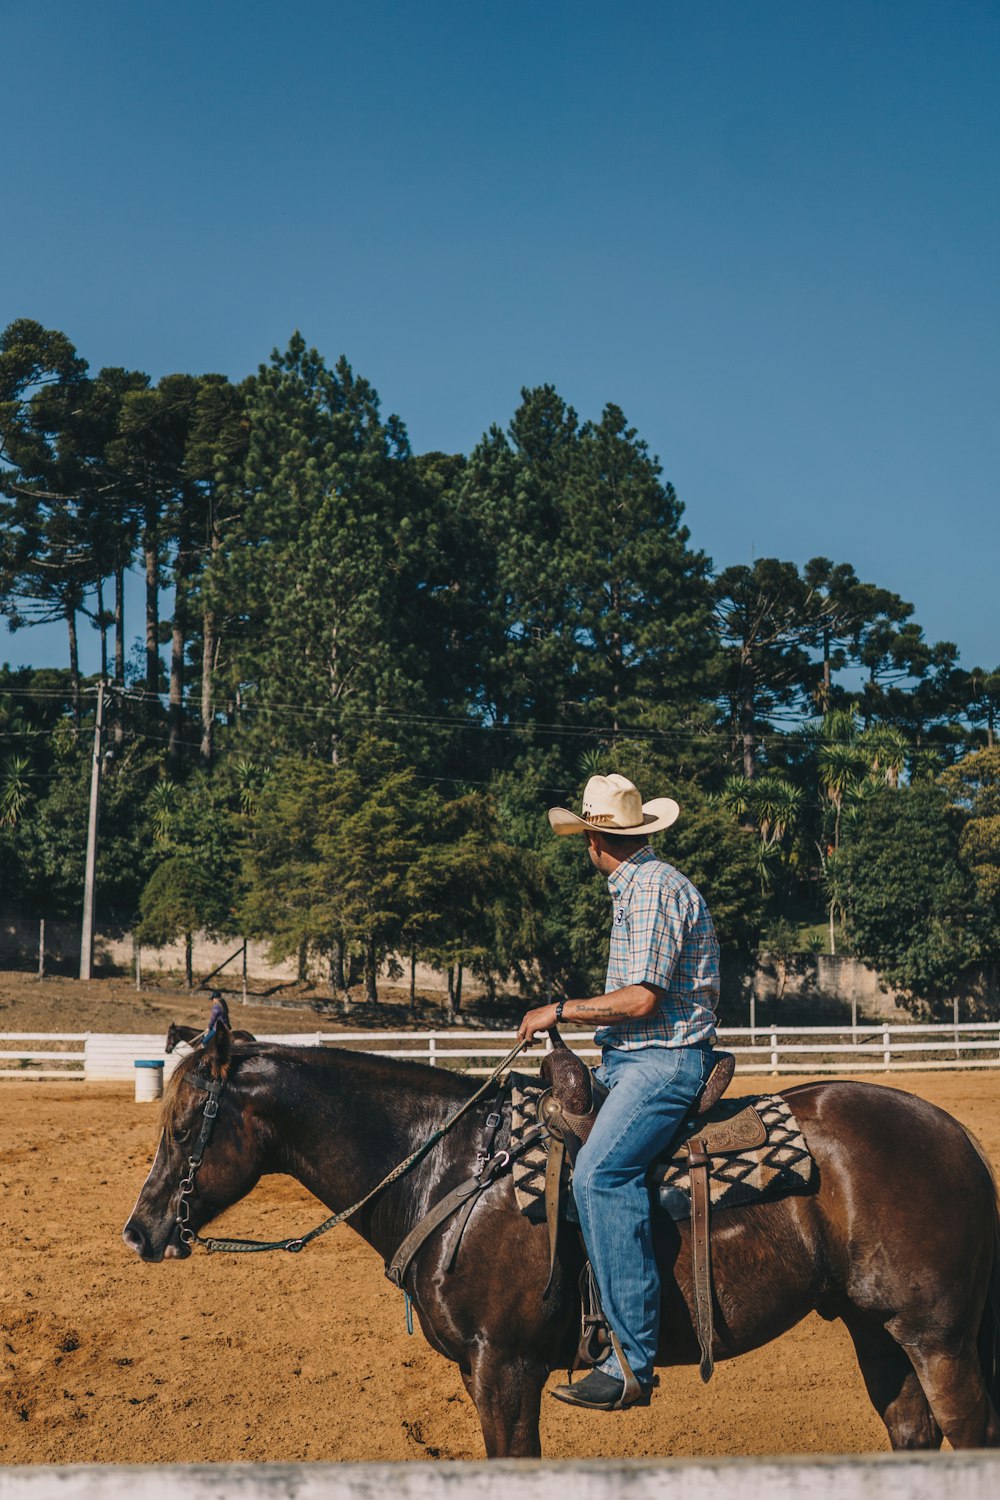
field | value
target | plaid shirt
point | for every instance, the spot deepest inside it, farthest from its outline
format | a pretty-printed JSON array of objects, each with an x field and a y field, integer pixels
[{"x": 662, "y": 934}]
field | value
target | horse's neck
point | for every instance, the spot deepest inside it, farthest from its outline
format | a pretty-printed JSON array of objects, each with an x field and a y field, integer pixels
[{"x": 344, "y": 1126}]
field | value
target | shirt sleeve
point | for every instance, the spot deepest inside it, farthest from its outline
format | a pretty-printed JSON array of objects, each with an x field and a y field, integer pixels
[{"x": 656, "y": 925}]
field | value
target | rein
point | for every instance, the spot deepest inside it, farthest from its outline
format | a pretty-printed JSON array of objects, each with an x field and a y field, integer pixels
[{"x": 214, "y": 1087}]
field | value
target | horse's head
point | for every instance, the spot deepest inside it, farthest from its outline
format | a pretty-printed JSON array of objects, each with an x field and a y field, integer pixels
[
  {"x": 173, "y": 1037},
  {"x": 210, "y": 1153}
]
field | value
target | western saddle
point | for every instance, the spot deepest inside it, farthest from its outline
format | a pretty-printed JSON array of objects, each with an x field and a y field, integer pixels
[{"x": 568, "y": 1109}]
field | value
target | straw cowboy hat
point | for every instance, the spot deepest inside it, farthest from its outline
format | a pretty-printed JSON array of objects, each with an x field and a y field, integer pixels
[{"x": 611, "y": 804}]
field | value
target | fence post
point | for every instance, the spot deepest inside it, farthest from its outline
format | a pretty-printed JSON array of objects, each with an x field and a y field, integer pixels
[
  {"x": 244, "y": 971},
  {"x": 774, "y": 1052},
  {"x": 41, "y": 947},
  {"x": 432, "y": 1051},
  {"x": 137, "y": 955},
  {"x": 886, "y": 1049}
]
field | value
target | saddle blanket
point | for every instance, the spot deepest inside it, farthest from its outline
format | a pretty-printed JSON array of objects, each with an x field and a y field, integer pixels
[{"x": 782, "y": 1165}]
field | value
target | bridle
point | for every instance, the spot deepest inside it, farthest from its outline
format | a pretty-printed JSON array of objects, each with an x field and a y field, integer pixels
[{"x": 214, "y": 1087}]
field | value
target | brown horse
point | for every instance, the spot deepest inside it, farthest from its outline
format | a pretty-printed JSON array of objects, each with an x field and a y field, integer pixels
[
  {"x": 190, "y": 1034},
  {"x": 900, "y": 1239}
]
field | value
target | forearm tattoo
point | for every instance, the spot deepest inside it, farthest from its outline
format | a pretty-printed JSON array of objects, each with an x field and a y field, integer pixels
[{"x": 596, "y": 1011}]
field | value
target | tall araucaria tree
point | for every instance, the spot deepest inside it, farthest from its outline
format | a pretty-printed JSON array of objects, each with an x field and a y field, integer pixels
[
  {"x": 600, "y": 615},
  {"x": 317, "y": 573},
  {"x": 639, "y": 607},
  {"x": 45, "y": 563}
]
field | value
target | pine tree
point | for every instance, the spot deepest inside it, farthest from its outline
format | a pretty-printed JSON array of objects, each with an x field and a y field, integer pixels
[
  {"x": 639, "y": 611},
  {"x": 312, "y": 573}
]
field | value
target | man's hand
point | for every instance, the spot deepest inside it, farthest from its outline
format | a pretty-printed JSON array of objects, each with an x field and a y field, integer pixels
[{"x": 542, "y": 1019}]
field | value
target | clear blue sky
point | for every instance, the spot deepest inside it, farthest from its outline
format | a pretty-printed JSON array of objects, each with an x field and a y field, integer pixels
[{"x": 770, "y": 231}]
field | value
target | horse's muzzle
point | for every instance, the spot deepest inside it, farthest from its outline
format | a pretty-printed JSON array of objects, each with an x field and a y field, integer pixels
[{"x": 136, "y": 1238}]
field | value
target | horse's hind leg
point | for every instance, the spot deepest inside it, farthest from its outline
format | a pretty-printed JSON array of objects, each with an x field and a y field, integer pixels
[
  {"x": 958, "y": 1398},
  {"x": 892, "y": 1384},
  {"x": 508, "y": 1395}
]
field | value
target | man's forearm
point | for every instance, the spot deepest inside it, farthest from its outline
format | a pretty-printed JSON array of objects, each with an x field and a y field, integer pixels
[{"x": 632, "y": 1003}]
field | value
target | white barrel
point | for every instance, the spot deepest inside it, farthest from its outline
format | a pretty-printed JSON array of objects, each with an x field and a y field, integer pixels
[{"x": 148, "y": 1079}]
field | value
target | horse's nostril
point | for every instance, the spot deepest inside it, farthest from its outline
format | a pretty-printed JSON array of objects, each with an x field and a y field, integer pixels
[{"x": 134, "y": 1238}]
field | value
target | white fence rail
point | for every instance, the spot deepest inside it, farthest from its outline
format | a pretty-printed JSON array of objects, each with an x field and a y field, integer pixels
[
  {"x": 778, "y": 1049},
  {"x": 889, "y": 1476}
]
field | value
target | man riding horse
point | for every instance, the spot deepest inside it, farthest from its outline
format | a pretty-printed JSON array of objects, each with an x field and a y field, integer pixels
[{"x": 657, "y": 1031}]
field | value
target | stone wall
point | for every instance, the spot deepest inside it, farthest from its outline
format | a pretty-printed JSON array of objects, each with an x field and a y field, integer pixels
[
  {"x": 114, "y": 950},
  {"x": 818, "y": 990}
]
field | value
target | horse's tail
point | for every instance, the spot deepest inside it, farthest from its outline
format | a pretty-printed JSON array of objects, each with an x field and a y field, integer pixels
[{"x": 989, "y": 1323}]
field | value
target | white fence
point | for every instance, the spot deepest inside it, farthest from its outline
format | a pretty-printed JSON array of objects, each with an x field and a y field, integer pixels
[
  {"x": 889, "y": 1476},
  {"x": 779, "y": 1049}
]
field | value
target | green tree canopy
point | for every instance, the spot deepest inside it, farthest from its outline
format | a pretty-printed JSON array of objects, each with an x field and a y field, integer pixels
[
  {"x": 913, "y": 911},
  {"x": 974, "y": 783},
  {"x": 179, "y": 900}
]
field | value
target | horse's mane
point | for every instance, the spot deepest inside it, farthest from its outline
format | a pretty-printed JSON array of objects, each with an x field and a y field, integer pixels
[{"x": 375, "y": 1068}]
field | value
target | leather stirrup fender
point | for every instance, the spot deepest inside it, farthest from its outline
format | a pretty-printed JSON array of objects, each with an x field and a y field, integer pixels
[
  {"x": 553, "y": 1190},
  {"x": 701, "y": 1262}
]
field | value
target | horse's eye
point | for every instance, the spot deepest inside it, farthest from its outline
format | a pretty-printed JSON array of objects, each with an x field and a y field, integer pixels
[{"x": 181, "y": 1136}]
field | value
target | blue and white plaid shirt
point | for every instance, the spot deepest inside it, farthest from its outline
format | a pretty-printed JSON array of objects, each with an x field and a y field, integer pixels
[{"x": 661, "y": 934}]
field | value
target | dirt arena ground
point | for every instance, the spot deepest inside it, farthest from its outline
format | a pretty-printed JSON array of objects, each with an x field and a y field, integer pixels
[{"x": 273, "y": 1358}]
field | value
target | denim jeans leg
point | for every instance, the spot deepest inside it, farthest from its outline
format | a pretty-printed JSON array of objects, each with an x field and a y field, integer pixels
[{"x": 652, "y": 1089}]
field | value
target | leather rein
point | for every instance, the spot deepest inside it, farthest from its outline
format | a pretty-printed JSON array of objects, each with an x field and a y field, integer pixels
[{"x": 214, "y": 1087}]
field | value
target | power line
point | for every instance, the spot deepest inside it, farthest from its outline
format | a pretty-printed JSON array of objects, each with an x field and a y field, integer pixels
[{"x": 422, "y": 719}]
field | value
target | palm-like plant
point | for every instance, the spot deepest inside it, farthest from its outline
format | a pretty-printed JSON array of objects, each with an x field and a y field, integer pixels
[
  {"x": 162, "y": 807},
  {"x": 735, "y": 795},
  {"x": 853, "y": 764},
  {"x": 593, "y": 761},
  {"x": 842, "y": 771},
  {"x": 14, "y": 789},
  {"x": 774, "y": 804},
  {"x": 251, "y": 779},
  {"x": 886, "y": 750}
]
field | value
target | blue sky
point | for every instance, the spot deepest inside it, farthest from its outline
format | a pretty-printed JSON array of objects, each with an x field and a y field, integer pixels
[{"x": 768, "y": 231}]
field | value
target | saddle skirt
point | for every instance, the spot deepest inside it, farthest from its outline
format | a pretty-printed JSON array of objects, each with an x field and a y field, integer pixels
[{"x": 756, "y": 1148}]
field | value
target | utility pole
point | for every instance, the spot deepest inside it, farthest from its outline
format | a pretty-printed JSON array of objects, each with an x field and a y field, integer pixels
[{"x": 87, "y": 932}]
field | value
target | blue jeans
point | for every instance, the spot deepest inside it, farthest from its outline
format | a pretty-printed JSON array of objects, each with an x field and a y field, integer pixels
[{"x": 652, "y": 1090}]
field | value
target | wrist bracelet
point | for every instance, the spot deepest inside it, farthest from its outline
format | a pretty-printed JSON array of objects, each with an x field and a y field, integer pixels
[{"x": 559, "y": 1010}]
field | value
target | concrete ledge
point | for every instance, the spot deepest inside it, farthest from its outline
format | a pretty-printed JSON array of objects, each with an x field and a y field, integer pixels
[{"x": 924, "y": 1476}]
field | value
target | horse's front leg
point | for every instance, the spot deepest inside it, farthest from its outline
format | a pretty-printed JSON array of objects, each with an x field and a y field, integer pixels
[{"x": 507, "y": 1392}]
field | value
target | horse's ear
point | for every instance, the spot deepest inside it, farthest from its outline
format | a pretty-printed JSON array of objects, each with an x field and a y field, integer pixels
[{"x": 216, "y": 1052}]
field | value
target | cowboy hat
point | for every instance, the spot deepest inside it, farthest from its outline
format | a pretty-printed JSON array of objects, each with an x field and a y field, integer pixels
[{"x": 611, "y": 804}]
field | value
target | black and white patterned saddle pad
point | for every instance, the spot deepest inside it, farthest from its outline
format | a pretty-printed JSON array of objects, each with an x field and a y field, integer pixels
[{"x": 782, "y": 1165}]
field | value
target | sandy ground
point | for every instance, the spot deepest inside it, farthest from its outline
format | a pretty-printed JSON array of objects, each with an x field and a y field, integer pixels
[{"x": 273, "y": 1358}]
